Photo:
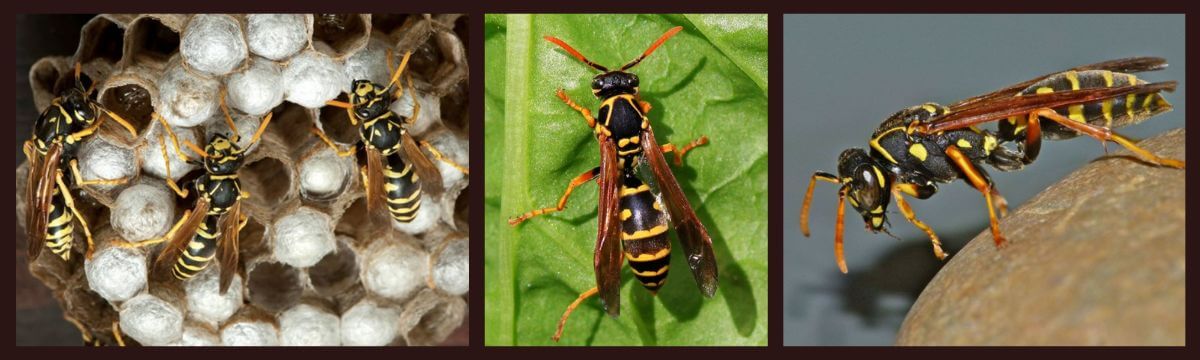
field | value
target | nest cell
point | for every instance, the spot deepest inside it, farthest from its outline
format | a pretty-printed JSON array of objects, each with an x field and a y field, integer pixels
[
  {"x": 277, "y": 36},
  {"x": 213, "y": 44}
]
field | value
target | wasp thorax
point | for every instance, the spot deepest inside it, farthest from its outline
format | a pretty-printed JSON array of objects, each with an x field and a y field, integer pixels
[
  {"x": 866, "y": 186},
  {"x": 222, "y": 156},
  {"x": 614, "y": 83},
  {"x": 78, "y": 107},
  {"x": 369, "y": 99}
]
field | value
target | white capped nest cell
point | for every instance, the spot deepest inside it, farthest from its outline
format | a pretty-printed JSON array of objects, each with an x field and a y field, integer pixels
[
  {"x": 395, "y": 270},
  {"x": 250, "y": 333},
  {"x": 369, "y": 324},
  {"x": 451, "y": 271},
  {"x": 151, "y": 320},
  {"x": 312, "y": 78},
  {"x": 277, "y": 36},
  {"x": 186, "y": 98},
  {"x": 153, "y": 162},
  {"x": 116, "y": 273},
  {"x": 143, "y": 211},
  {"x": 303, "y": 237},
  {"x": 101, "y": 160},
  {"x": 213, "y": 44},
  {"x": 205, "y": 301},
  {"x": 324, "y": 174},
  {"x": 255, "y": 90},
  {"x": 308, "y": 325}
]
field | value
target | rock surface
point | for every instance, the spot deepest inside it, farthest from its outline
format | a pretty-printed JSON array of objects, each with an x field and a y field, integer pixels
[{"x": 1096, "y": 259}]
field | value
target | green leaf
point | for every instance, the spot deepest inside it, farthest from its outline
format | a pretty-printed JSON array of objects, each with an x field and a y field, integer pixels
[{"x": 710, "y": 79}]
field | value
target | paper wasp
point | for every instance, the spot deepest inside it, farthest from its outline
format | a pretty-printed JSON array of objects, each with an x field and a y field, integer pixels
[
  {"x": 630, "y": 214},
  {"x": 212, "y": 226},
  {"x": 918, "y": 147},
  {"x": 397, "y": 173},
  {"x": 57, "y": 134}
]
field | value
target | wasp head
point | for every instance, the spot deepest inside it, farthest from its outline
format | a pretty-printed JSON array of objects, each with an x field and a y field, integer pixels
[
  {"x": 369, "y": 99},
  {"x": 222, "y": 156},
  {"x": 614, "y": 83},
  {"x": 78, "y": 107},
  {"x": 866, "y": 186}
]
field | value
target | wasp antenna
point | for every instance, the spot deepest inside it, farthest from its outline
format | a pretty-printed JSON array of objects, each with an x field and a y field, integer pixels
[
  {"x": 396, "y": 75},
  {"x": 78, "y": 70},
  {"x": 662, "y": 39},
  {"x": 575, "y": 53}
]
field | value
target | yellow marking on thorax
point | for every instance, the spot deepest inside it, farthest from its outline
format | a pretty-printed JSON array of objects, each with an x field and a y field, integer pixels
[
  {"x": 879, "y": 176},
  {"x": 989, "y": 144},
  {"x": 932, "y": 110},
  {"x": 875, "y": 144},
  {"x": 628, "y": 191},
  {"x": 963, "y": 143},
  {"x": 1045, "y": 90},
  {"x": 648, "y": 257},
  {"x": 642, "y": 234},
  {"x": 626, "y": 214},
  {"x": 918, "y": 150}
]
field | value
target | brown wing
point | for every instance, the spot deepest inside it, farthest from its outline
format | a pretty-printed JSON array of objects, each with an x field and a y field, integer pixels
[
  {"x": 1126, "y": 65},
  {"x": 43, "y": 170},
  {"x": 227, "y": 248},
  {"x": 184, "y": 234},
  {"x": 1002, "y": 108},
  {"x": 697, "y": 245},
  {"x": 431, "y": 178},
  {"x": 376, "y": 209},
  {"x": 608, "y": 260}
]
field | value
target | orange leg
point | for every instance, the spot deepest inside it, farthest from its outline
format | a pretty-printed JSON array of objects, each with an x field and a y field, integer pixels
[
  {"x": 897, "y": 193},
  {"x": 977, "y": 180},
  {"x": 682, "y": 151},
  {"x": 562, "y": 202},
  {"x": 563, "y": 321},
  {"x": 839, "y": 247},
  {"x": 1105, "y": 134},
  {"x": 587, "y": 114},
  {"x": 812, "y": 183}
]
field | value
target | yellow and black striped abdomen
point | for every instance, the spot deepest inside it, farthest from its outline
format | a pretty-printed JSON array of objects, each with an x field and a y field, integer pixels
[
  {"x": 59, "y": 226},
  {"x": 402, "y": 188},
  {"x": 1112, "y": 113},
  {"x": 644, "y": 233},
  {"x": 200, "y": 251}
]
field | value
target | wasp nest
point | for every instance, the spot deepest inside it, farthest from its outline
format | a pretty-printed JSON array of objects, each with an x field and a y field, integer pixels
[{"x": 311, "y": 273}]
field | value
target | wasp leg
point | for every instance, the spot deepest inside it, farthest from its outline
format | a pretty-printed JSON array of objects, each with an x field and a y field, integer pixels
[
  {"x": 121, "y": 120},
  {"x": 327, "y": 141},
  {"x": 416, "y": 104},
  {"x": 29, "y": 150},
  {"x": 812, "y": 183},
  {"x": 70, "y": 201},
  {"x": 981, "y": 183},
  {"x": 1105, "y": 134},
  {"x": 682, "y": 151},
  {"x": 563, "y": 321},
  {"x": 907, "y": 211},
  {"x": 88, "y": 339},
  {"x": 160, "y": 239},
  {"x": 345, "y": 105},
  {"x": 175, "y": 141},
  {"x": 438, "y": 155},
  {"x": 562, "y": 202},
  {"x": 117, "y": 333},
  {"x": 81, "y": 182},
  {"x": 644, "y": 105},
  {"x": 170, "y": 180},
  {"x": 839, "y": 247},
  {"x": 587, "y": 114}
]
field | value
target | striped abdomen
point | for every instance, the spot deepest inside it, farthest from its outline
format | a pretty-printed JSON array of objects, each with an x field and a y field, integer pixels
[
  {"x": 402, "y": 189},
  {"x": 644, "y": 233},
  {"x": 59, "y": 226},
  {"x": 200, "y": 251},
  {"x": 1111, "y": 113}
]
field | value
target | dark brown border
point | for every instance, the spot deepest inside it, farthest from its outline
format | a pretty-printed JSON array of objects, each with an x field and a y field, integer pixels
[{"x": 478, "y": 7}]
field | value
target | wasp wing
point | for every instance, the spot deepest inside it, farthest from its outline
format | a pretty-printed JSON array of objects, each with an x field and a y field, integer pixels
[
  {"x": 431, "y": 178},
  {"x": 697, "y": 245},
  {"x": 608, "y": 259},
  {"x": 1126, "y": 65},
  {"x": 377, "y": 211},
  {"x": 1002, "y": 108},
  {"x": 227, "y": 249},
  {"x": 43, "y": 170},
  {"x": 178, "y": 240}
]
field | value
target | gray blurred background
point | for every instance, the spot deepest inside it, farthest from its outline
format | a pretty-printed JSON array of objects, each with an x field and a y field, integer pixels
[{"x": 845, "y": 73}]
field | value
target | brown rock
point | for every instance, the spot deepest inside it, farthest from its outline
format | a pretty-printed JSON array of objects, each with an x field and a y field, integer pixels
[{"x": 1096, "y": 259}]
